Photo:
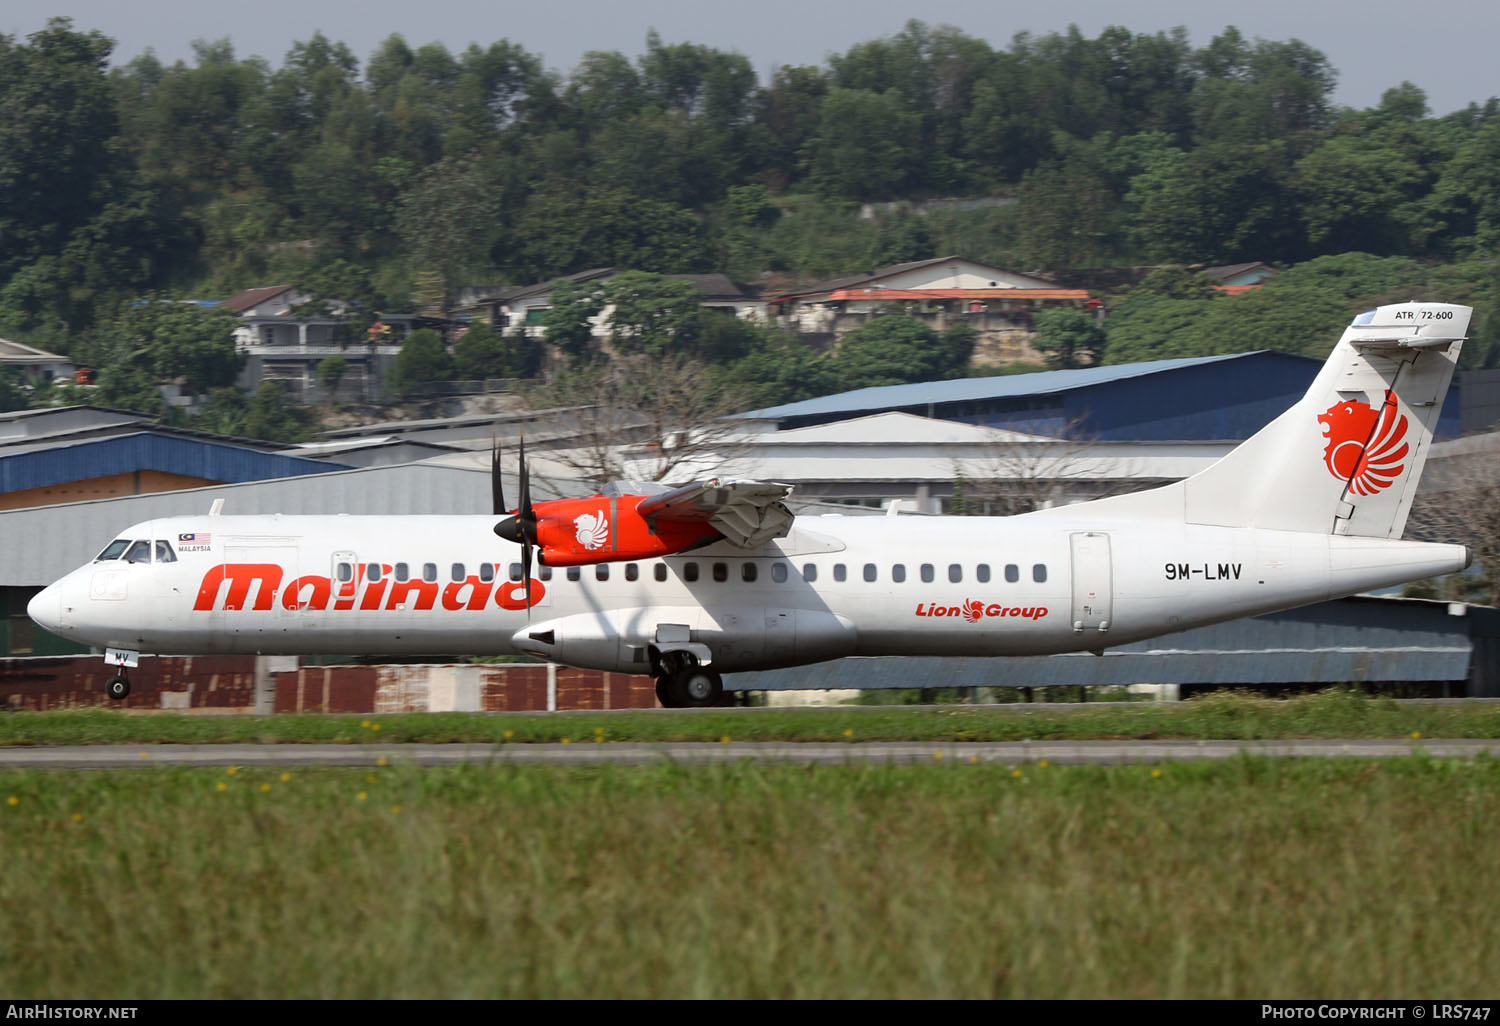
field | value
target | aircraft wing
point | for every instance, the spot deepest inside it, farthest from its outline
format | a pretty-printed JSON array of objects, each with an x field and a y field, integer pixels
[{"x": 747, "y": 513}]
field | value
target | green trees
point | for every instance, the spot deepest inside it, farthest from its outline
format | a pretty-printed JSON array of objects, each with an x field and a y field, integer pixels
[
  {"x": 447, "y": 220},
  {"x": 56, "y": 123},
  {"x": 652, "y": 314},
  {"x": 1069, "y": 337},
  {"x": 1296, "y": 311},
  {"x": 564, "y": 231},
  {"x": 166, "y": 341},
  {"x": 394, "y": 179},
  {"x": 331, "y": 371},
  {"x": 484, "y": 353},
  {"x": 266, "y": 414},
  {"x": 12, "y": 395},
  {"x": 423, "y": 358},
  {"x": 894, "y": 350}
]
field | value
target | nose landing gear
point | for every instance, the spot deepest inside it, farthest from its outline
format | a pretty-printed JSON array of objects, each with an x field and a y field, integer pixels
[{"x": 118, "y": 686}]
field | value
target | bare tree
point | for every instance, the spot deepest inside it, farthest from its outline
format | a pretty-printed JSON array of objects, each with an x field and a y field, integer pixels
[
  {"x": 639, "y": 416},
  {"x": 1464, "y": 513},
  {"x": 1029, "y": 472}
]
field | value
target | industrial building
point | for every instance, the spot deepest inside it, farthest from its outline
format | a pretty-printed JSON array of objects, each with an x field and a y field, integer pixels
[{"x": 1198, "y": 398}]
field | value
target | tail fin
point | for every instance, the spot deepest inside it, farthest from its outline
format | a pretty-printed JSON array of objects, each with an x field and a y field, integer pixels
[{"x": 1347, "y": 457}]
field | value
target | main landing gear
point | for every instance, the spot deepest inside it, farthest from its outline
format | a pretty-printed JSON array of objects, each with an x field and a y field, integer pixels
[{"x": 683, "y": 684}]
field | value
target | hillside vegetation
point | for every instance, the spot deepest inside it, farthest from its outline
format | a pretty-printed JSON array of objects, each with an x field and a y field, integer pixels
[{"x": 389, "y": 181}]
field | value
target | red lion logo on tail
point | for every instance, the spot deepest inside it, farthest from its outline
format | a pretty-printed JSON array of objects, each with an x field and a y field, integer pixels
[{"x": 1366, "y": 447}]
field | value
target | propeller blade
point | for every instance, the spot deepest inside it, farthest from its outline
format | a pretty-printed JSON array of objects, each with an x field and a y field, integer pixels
[
  {"x": 497, "y": 486},
  {"x": 526, "y": 575},
  {"x": 528, "y": 515}
]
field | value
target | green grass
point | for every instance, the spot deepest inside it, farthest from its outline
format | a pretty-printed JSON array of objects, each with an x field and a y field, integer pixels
[
  {"x": 1252, "y": 878},
  {"x": 1226, "y": 715}
]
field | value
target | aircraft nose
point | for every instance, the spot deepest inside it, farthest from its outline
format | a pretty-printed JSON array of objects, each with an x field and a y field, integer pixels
[{"x": 45, "y": 608}]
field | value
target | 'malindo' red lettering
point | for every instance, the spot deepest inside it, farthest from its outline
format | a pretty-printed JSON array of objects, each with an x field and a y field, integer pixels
[
  {"x": 236, "y": 587},
  {"x": 973, "y": 610}
]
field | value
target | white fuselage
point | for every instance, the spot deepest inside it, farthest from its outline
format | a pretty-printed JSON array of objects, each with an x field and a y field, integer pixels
[{"x": 427, "y": 585}]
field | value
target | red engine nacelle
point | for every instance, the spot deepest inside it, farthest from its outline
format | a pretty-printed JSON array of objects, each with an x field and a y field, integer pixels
[{"x": 606, "y": 529}]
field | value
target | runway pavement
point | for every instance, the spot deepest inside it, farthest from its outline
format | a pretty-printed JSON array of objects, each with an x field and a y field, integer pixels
[{"x": 583, "y": 754}]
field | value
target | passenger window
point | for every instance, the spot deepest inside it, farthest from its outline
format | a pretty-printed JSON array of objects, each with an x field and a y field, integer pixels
[
  {"x": 344, "y": 572},
  {"x": 1012, "y": 573},
  {"x": 721, "y": 572},
  {"x": 114, "y": 549},
  {"x": 139, "y": 552},
  {"x": 982, "y": 573},
  {"x": 690, "y": 571},
  {"x": 778, "y": 573},
  {"x": 809, "y": 571},
  {"x": 898, "y": 572},
  {"x": 869, "y": 571},
  {"x": 927, "y": 573},
  {"x": 372, "y": 572},
  {"x": 546, "y": 573},
  {"x": 748, "y": 572},
  {"x": 515, "y": 571},
  {"x": 840, "y": 572},
  {"x": 955, "y": 572},
  {"x": 164, "y": 553},
  {"x": 458, "y": 572},
  {"x": 632, "y": 572},
  {"x": 1039, "y": 573},
  {"x": 659, "y": 571},
  {"x": 601, "y": 571},
  {"x": 403, "y": 572},
  {"x": 429, "y": 572},
  {"x": 486, "y": 572},
  {"x": 573, "y": 573}
]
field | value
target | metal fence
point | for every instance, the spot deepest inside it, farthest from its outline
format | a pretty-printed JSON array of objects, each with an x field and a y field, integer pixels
[{"x": 475, "y": 387}]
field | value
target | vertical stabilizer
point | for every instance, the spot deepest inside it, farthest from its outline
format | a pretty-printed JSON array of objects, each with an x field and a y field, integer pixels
[{"x": 1347, "y": 457}]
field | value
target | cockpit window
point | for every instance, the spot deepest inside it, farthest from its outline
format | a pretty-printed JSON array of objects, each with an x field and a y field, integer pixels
[
  {"x": 139, "y": 552},
  {"x": 113, "y": 550},
  {"x": 164, "y": 553}
]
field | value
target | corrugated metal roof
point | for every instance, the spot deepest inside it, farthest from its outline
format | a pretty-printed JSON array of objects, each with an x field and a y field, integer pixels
[
  {"x": 1003, "y": 387},
  {"x": 254, "y": 297},
  {"x": 855, "y": 280},
  {"x": 57, "y": 420},
  {"x": 25, "y": 467},
  {"x": 925, "y": 294},
  {"x": 21, "y": 353}
]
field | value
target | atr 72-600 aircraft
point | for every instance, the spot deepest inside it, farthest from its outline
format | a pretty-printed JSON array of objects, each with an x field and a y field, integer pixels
[{"x": 716, "y": 577}]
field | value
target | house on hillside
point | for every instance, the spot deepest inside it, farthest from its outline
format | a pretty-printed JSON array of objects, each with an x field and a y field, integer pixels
[
  {"x": 37, "y": 366},
  {"x": 512, "y": 309},
  {"x": 286, "y": 343},
  {"x": 998, "y": 304},
  {"x": 1236, "y": 278}
]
